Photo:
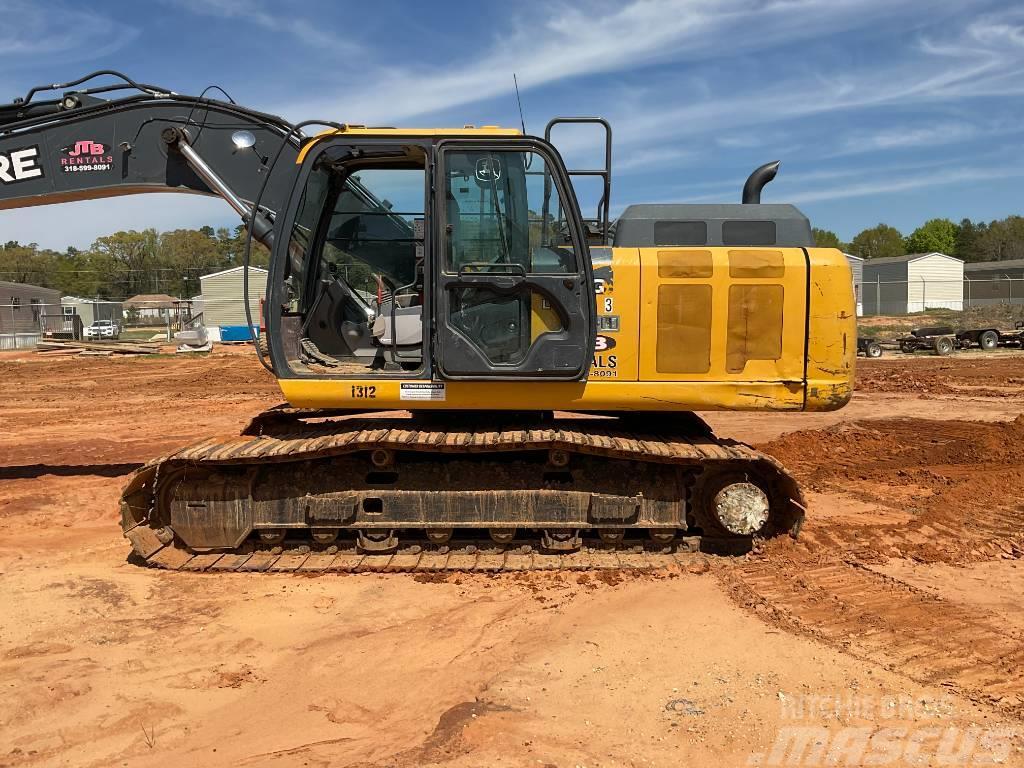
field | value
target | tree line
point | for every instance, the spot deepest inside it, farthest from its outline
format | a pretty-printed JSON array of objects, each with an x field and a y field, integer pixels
[
  {"x": 971, "y": 241},
  {"x": 125, "y": 264}
]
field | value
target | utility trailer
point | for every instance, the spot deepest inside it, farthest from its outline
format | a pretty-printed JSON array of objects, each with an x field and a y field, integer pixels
[
  {"x": 941, "y": 340},
  {"x": 991, "y": 338},
  {"x": 868, "y": 346}
]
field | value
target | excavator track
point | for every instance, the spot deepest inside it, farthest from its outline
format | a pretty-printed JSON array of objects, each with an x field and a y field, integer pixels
[{"x": 307, "y": 492}]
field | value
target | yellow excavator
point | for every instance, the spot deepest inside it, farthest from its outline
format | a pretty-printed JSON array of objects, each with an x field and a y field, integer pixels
[{"x": 477, "y": 376}]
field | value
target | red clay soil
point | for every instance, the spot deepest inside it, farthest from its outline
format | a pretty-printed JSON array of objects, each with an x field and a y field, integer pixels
[
  {"x": 975, "y": 374},
  {"x": 904, "y": 582}
]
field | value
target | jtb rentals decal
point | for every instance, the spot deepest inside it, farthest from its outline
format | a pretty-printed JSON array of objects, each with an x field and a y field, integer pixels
[
  {"x": 20, "y": 165},
  {"x": 86, "y": 156},
  {"x": 604, "y": 365}
]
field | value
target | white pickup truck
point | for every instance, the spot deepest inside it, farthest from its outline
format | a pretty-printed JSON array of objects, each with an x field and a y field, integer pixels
[{"x": 103, "y": 329}]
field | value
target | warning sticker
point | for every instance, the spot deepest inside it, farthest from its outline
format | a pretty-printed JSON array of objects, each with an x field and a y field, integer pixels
[{"x": 416, "y": 391}]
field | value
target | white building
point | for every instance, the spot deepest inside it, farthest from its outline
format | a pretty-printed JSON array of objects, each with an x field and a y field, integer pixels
[
  {"x": 223, "y": 299},
  {"x": 899, "y": 285},
  {"x": 857, "y": 268}
]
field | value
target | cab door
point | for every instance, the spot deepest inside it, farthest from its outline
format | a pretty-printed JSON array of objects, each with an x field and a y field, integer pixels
[{"x": 514, "y": 291}]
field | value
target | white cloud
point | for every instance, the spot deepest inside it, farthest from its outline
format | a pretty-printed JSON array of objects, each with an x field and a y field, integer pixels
[
  {"x": 572, "y": 42},
  {"x": 642, "y": 159},
  {"x": 891, "y": 186},
  {"x": 56, "y": 30},
  {"x": 255, "y": 12},
  {"x": 928, "y": 135}
]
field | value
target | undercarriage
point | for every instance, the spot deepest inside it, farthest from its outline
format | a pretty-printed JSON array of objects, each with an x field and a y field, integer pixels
[{"x": 305, "y": 491}]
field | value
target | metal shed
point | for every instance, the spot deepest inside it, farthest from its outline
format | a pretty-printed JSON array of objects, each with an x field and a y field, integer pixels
[
  {"x": 857, "y": 268},
  {"x": 21, "y": 307},
  {"x": 994, "y": 282},
  {"x": 899, "y": 285},
  {"x": 223, "y": 299}
]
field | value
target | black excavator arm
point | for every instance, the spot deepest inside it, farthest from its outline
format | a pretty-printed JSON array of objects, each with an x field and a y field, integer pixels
[{"x": 130, "y": 138}]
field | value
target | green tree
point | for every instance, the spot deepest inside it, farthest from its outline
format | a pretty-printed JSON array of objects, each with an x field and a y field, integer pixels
[
  {"x": 185, "y": 255},
  {"x": 824, "y": 238},
  {"x": 1002, "y": 239},
  {"x": 935, "y": 235},
  {"x": 968, "y": 240},
  {"x": 134, "y": 256},
  {"x": 878, "y": 242}
]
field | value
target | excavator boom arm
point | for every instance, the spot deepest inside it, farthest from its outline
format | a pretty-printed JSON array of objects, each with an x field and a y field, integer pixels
[{"x": 83, "y": 146}]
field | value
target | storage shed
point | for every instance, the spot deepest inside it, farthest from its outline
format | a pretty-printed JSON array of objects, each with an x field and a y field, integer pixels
[
  {"x": 224, "y": 302},
  {"x": 857, "y": 268},
  {"x": 899, "y": 285},
  {"x": 994, "y": 282},
  {"x": 21, "y": 309}
]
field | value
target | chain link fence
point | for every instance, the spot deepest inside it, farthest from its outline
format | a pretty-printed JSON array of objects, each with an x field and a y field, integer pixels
[
  {"x": 24, "y": 321},
  {"x": 901, "y": 297}
]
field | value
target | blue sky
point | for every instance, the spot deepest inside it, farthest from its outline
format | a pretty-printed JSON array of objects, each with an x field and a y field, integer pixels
[{"x": 880, "y": 110}]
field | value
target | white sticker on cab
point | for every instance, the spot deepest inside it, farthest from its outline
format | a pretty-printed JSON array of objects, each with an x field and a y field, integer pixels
[{"x": 424, "y": 391}]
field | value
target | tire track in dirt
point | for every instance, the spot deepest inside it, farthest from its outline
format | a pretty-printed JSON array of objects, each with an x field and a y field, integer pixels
[{"x": 962, "y": 483}]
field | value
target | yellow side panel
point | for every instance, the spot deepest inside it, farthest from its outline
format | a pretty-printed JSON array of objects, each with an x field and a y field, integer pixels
[
  {"x": 594, "y": 394},
  {"x": 617, "y": 285},
  {"x": 683, "y": 344},
  {"x": 756, "y": 321},
  {"x": 832, "y": 331},
  {"x": 723, "y": 314}
]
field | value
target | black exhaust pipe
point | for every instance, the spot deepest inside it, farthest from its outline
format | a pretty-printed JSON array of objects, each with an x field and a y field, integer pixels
[{"x": 757, "y": 180}]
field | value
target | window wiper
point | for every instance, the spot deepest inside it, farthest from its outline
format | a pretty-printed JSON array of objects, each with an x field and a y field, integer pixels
[{"x": 503, "y": 235}]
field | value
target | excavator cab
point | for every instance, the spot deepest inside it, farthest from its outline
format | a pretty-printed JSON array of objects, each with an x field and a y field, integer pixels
[{"x": 447, "y": 255}]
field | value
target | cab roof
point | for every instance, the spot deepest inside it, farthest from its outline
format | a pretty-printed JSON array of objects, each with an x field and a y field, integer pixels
[
  {"x": 466, "y": 130},
  {"x": 388, "y": 132}
]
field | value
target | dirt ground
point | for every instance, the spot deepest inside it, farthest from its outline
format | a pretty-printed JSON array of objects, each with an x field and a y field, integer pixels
[{"x": 897, "y": 611}]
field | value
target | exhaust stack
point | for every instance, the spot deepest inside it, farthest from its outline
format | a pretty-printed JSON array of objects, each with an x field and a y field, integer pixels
[{"x": 757, "y": 180}]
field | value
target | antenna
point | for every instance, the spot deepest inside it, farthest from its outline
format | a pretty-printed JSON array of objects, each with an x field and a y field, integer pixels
[{"x": 522, "y": 120}]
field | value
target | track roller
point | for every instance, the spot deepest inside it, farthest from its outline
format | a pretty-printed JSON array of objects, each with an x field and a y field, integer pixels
[
  {"x": 372, "y": 540},
  {"x": 324, "y": 535},
  {"x": 568, "y": 540},
  {"x": 271, "y": 537},
  {"x": 613, "y": 537},
  {"x": 439, "y": 536},
  {"x": 502, "y": 535}
]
